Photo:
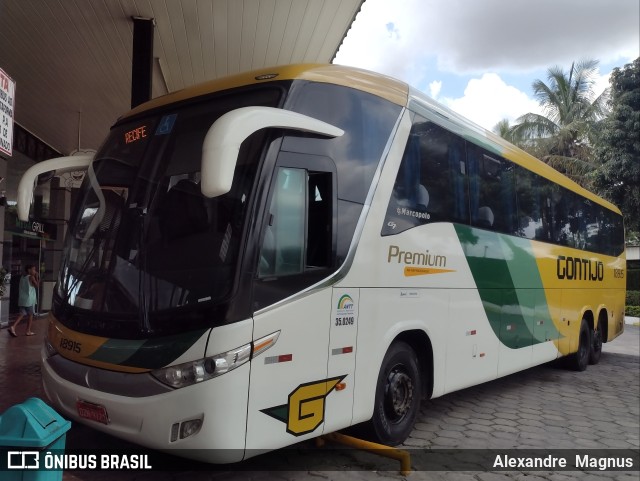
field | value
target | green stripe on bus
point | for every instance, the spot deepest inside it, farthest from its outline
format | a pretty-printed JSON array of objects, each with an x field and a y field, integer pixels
[
  {"x": 116, "y": 351},
  {"x": 146, "y": 354},
  {"x": 506, "y": 274}
]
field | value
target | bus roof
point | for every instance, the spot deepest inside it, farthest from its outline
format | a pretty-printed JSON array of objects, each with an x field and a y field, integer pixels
[
  {"x": 382, "y": 86},
  {"x": 377, "y": 84}
]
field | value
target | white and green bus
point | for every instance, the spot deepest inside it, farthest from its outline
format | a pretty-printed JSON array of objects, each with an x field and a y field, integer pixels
[{"x": 272, "y": 256}]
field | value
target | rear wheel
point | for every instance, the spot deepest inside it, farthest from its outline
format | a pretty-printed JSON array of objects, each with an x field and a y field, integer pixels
[
  {"x": 596, "y": 345},
  {"x": 397, "y": 399},
  {"x": 580, "y": 359}
]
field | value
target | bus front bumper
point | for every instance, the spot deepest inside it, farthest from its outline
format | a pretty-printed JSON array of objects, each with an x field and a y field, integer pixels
[{"x": 157, "y": 421}]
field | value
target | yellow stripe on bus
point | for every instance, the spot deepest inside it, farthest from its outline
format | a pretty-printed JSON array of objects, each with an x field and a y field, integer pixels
[
  {"x": 423, "y": 271},
  {"x": 78, "y": 347}
]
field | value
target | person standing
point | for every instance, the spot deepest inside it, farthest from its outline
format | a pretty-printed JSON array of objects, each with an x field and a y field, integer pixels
[{"x": 27, "y": 299}]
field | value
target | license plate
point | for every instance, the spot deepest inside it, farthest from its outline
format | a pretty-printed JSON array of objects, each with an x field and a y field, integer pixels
[{"x": 91, "y": 411}]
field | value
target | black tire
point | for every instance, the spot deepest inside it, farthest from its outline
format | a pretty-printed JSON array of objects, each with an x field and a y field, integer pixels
[
  {"x": 596, "y": 345},
  {"x": 398, "y": 394},
  {"x": 580, "y": 359}
]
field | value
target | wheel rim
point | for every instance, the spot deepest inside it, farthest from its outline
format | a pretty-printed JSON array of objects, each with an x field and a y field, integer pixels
[{"x": 398, "y": 394}]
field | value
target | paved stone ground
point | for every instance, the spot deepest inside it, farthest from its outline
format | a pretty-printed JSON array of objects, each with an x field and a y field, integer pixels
[{"x": 547, "y": 407}]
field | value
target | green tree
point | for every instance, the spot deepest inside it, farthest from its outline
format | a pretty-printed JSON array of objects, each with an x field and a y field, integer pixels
[
  {"x": 562, "y": 135},
  {"x": 618, "y": 146},
  {"x": 505, "y": 130}
]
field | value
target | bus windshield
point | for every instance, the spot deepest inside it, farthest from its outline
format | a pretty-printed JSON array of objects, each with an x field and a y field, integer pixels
[{"x": 144, "y": 239}]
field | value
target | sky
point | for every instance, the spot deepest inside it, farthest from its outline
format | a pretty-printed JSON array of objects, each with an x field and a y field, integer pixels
[{"x": 480, "y": 57}]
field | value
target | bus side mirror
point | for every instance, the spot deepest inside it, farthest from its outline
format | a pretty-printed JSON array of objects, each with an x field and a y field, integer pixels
[
  {"x": 60, "y": 165},
  {"x": 222, "y": 142}
]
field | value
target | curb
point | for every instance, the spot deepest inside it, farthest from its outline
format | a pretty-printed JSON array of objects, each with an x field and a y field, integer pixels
[{"x": 634, "y": 321}]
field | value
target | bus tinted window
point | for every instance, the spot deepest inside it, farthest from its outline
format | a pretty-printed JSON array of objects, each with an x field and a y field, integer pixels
[
  {"x": 491, "y": 192},
  {"x": 531, "y": 223},
  {"x": 369, "y": 121},
  {"x": 443, "y": 178},
  {"x": 576, "y": 226},
  {"x": 430, "y": 185},
  {"x": 612, "y": 233}
]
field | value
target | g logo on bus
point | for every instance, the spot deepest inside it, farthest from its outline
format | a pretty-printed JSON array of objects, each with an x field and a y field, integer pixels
[{"x": 305, "y": 410}]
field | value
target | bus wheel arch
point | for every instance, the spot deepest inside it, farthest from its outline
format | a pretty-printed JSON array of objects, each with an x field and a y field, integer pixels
[
  {"x": 398, "y": 395},
  {"x": 421, "y": 345},
  {"x": 603, "y": 318}
]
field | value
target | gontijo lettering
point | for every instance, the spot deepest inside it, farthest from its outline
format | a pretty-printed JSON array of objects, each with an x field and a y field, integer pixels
[{"x": 577, "y": 269}]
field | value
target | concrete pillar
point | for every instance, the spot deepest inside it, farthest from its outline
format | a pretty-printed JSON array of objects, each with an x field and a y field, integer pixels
[{"x": 142, "y": 60}]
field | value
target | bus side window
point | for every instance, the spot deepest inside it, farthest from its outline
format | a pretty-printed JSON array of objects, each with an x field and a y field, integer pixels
[
  {"x": 283, "y": 245},
  {"x": 577, "y": 211},
  {"x": 531, "y": 223},
  {"x": 298, "y": 236},
  {"x": 492, "y": 193},
  {"x": 320, "y": 221},
  {"x": 298, "y": 246},
  {"x": 431, "y": 181}
]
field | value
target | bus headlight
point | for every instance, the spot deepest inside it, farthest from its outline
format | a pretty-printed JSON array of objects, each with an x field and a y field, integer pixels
[{"x": 182, "y": 375}]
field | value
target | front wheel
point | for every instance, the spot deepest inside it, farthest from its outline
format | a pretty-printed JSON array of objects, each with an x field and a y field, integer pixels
[
  {"x": 398, "y": 393},
  {"x": 580, "y": 359}
]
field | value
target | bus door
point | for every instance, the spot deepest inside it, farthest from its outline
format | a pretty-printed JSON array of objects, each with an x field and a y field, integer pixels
[
  {"x": 342, "y": 357},
  {"x": 289, "y": 382}
]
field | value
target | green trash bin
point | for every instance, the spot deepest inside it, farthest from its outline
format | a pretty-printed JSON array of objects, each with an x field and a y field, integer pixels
[{"x": 27, "y": 432}]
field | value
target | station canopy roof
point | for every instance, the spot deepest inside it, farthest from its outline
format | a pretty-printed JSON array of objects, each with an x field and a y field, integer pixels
[{"x": 71, "y": 59}]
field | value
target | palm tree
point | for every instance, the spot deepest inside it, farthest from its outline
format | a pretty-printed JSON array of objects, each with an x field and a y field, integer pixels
[
  {"x": 563, "y": 134},
  {"x": 505, "y": 130}
]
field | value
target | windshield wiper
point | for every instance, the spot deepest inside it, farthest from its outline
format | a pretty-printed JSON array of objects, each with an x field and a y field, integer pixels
[{"x": 141, "y": 214}]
